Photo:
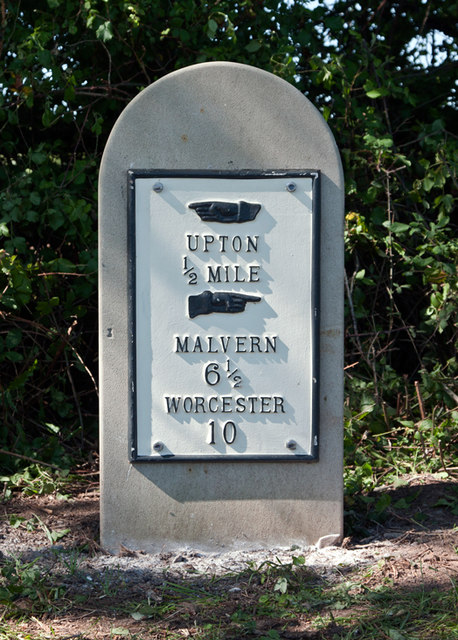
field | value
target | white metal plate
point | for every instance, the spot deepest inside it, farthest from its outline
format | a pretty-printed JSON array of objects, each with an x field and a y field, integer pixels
[{"x": 216, "y": 375}]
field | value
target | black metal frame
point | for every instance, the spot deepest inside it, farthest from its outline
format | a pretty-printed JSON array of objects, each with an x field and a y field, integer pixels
[{"x": 132, "y": 359}]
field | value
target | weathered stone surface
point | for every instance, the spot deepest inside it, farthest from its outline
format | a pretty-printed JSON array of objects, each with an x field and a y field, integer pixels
[{"x": 218, "y": 116}]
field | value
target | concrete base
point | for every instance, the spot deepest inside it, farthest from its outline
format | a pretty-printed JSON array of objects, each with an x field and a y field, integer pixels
[{"x": 218, "y": 116}]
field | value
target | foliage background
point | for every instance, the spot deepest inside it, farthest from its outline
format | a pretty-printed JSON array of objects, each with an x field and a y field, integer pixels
[{"x": 383, "y": 76}]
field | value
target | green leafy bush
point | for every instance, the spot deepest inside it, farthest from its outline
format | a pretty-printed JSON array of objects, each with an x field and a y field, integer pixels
[{"x": 383, "y": 75}]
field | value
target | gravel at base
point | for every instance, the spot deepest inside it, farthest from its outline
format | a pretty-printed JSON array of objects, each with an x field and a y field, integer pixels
[{"x": 193, "y": 563}]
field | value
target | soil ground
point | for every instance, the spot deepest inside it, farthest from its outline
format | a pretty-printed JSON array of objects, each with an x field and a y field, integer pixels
[{"x": 415, "y": 543}]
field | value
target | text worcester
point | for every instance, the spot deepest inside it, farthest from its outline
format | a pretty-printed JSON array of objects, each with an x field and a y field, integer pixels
[{"x": 225, "y": 404}]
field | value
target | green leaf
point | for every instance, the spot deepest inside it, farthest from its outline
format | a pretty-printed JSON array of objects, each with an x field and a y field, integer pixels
[
  {"x": 16, "y": 521},
  {"x": 428, "y": 183},
  {"x": 136, "y": 615},
  {"x": 396, "y": 227},
  {"x": 272, "y": 634},
  {"x": 212, "y": 28},
  {"x": 407, "y": 423},
  {"x": 105, "y": 31},
  {"x": 4, "y": 231},
  {"x": 61, "y": 265},
  {"x": 13, "y": 338},
  {"x": 31, "y": 216},
  {"x": 14, "y": 356},
  {"x": 52, "y": 427},
  {"x": 382, "y": 503},
  {"x": 378, "y": 142},
  {"x": 38, "y": 157},
  {"x": 55, "y": 536},
  {"x": 281, "y": 585},
  {"x": 374, "y": 93},
  {"x": 401, "y": 504},
  {"x": 253, "y": 46},
  {"x": 365, "y": 410},
  {"x": 22, "y": 287},
  {"x": 46, "y": 306},
  {"x": 47, "y": 117}
]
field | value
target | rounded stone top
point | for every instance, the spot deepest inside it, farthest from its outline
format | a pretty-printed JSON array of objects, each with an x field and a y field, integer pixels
[{"x": 222, "y": 116}]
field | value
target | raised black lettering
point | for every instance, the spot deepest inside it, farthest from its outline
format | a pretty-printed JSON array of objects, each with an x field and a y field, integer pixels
[
  {"x": 181, "y": 346},
  {"x": 272, "y": 343},
  {"x": 252, "y": 243},
  {"x": 190, "y": 243},
  {"x": 188, "y": 404},
  {"x": 240, "y": 344},
  {"x": 265, "y": 404},
  {"x": 236, "y": 276},
  {"x": 223, "y": 239},
  {"x": 200, "y": 404},
  {"x": 225, "y": 342},
  {"x": 252, "y": 400},
  {"x": 214, "y": 276},
  {"x": 254, "y": 273},
  {"x": 240, "y": 404},
  {"x": 249, "y": 244},
  {"x": 254, "y": 342},
  {"x": 229, "y": 432},
  {"x": 197, "y": 346},
  {"x": 173, "y": 404},
  {"x": 237, "y": 244},
  {"x": 225, "y": 404},
  {"x": 278, "y": 403},
  {"x": 212, "y": 432},
  {"x": 208, "y": 240}
]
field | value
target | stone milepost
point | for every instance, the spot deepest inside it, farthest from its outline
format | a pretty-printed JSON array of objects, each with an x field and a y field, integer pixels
[
  {"x": 224, "y": 349},
  {"x": 221, "y": 317}
]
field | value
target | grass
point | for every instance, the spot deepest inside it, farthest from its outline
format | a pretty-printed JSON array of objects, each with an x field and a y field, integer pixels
[
  {"x": 398, "y": 614},
  {"x": 268, "y": 602}
]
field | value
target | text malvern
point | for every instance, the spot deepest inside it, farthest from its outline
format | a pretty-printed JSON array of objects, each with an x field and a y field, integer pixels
[{"x": 226, "y": 344}]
